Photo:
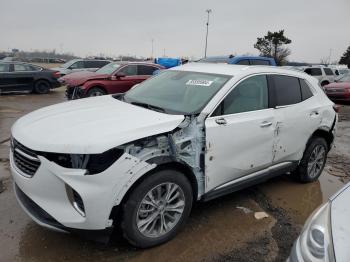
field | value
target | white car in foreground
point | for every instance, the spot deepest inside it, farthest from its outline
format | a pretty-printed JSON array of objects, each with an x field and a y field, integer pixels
[
  {"x": 326, "y": 234},
  {"x": 140, "y": 160}
]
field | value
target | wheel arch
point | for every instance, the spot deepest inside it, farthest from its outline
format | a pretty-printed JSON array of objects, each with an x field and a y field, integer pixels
[
  {"x": 162, "y": 164},
  {"x": 325, "y": 133},
  {"x": 94, "y": 85}
]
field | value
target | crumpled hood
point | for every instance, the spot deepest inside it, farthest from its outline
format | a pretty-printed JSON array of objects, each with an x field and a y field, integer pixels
[
  {"x": 90, "y": 125},
  {"x": 79, "y": 78}
]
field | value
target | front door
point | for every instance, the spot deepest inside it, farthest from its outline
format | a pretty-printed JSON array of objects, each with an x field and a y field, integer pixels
[{"x": 239, "y": 133}]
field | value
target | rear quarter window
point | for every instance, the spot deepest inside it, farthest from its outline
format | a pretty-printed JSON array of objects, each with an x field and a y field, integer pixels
[
  {"x": 305, "y": 90},
  {"x": 287, "y": 90}
]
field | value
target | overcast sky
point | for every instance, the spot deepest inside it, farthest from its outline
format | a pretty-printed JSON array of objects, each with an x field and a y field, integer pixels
[{"x": 113, "y": 27}]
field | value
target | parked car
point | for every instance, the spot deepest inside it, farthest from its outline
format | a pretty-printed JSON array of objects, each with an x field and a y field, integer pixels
[
  {"x": 117, "y": 77},
  {"x": 324, "y": 75},
  {"x": 240, "y": 60},
  {"x": 77, "y": 65},
  {"x": 326, "y": 233},
  {"x": 339, "y": 90},
  {"x": 190, "y": 133},
  {"x": 19, "y": 76}
]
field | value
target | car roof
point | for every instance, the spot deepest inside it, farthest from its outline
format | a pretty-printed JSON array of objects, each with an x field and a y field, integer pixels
[{"x": 233, "y": 70}]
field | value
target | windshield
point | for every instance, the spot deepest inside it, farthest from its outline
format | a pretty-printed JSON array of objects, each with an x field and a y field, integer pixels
[
  {"x": 68, "y": 64},
  {"x": 177, "y": 92},
  {"x": 345, "y": 78},
  {"x": 109, "y": 68}
]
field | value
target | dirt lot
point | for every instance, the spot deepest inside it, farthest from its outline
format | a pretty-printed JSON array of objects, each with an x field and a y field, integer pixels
[{"x": 221, "y": 230}]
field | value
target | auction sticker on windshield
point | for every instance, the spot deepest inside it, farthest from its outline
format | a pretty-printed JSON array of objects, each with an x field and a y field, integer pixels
[{"x": 199, "y": 83}]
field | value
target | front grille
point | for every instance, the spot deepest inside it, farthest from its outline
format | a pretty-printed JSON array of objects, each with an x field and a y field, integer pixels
[{"x": 25, "y": 159}]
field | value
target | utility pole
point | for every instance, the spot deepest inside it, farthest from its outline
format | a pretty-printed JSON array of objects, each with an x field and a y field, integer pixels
[
  {"x": 206, "y": 37},
  {"x": 152, "y": 48}
]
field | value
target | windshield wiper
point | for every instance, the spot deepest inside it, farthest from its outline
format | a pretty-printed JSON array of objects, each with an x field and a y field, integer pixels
[{"x": 148, "y": 106}]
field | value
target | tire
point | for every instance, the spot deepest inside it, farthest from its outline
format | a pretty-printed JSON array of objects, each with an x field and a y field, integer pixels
[
  {"x": 96, "y": 91},
  {"x": 42, "y": 87},
  {"x": 136, "y": 212},
  {"x": 313, "y": 151}
]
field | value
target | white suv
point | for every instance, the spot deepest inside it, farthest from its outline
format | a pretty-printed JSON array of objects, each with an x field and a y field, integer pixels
[
  {"x": 324, "y": 75},
  {"x": 191, "y": 133}
]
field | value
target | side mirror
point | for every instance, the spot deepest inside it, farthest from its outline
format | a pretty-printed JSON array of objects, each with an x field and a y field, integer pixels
[{"x": 120, "y": 74}]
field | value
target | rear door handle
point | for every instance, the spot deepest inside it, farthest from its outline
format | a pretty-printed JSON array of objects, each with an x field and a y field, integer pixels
[
  {"x": 221, "y": 121},
  {"x": 265, "y": 124}
]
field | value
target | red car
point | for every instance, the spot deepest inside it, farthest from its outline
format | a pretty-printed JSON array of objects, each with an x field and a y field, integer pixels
[
  {"x": 339, "y": 90},
  {"x": 117, "y": 77}
]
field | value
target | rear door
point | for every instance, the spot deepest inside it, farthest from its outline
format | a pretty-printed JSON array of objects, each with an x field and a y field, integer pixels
[
  {"x": 7, "y": 82},
  {"x": 239, "y": 133},
  {"x": 297, "y": 113},
  {"x": 144, "y": 72}
]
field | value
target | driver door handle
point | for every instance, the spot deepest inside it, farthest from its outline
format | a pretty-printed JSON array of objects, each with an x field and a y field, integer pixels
[
  {"x": 221, "y": 121},
  {"x": 265, "y": 124}
]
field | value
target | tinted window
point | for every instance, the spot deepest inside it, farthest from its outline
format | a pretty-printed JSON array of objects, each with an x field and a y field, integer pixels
[
  {"x": 287, "y": 90},
  {"x": 305, "y": 90},
  {"x": 95, "y": 64},
  {"x": 77, "y": 65},
  {"x": 22, "y": 67},
  {"x": 4, "y": 68},
  {"x": 259, "y": 62},
  {"x": 243, "y": 62},
  {"x": 313, "y": 71},
  {"x": 130, "y": 70},
  {"x": 328, "y": 71},
  {"x": 249, "y": 95},
  {"x": 146, "y": 70}
]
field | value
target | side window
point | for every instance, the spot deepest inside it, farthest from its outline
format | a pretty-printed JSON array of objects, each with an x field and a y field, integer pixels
[
  {"x": 101, "y": 63},
  {"x": 243, "y": 62},
  {"x": 259, "y": 62},
  {"x": 146, "y": 70},
  {"x": 130, "y": 70},
  {"x": 22, "y": 68},
  {"x": 90, "y": 64},
  {"x": 4, "y": 68},
  {"x": 77, "y": 65},
  {"x": 249, "y": 95},
  {"x": 313, "y": 71},
  {"x": 305, "y": 90},
  {"x": 328, "y": 71},
  {"x": 287, "y": 90}
]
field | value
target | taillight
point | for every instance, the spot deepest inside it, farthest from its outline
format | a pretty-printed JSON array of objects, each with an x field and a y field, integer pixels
[
  {"x": 336, "y": 108},
  {"x": 56, "y": 74}
]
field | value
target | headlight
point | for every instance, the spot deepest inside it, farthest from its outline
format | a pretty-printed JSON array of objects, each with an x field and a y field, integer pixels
[
  {"x": 93, "y": 163},
  {"x": 315, "y": 241}
]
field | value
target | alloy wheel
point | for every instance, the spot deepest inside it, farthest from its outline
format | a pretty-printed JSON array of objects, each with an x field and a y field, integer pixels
[
  {"x": 160, "y": 210},
  {"x": 316, "y": 161}
]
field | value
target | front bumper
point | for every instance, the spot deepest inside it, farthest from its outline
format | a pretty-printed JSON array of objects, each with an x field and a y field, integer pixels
[
  {"x": 45, "y": 196},
  {"x": 75, "y": 92}
]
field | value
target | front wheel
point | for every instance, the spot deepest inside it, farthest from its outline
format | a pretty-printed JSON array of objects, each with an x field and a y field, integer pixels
[
  {"x": 313, "y": 161},
  {"x": 96, "y": 92},
  {"x": 157, "y": 209}
]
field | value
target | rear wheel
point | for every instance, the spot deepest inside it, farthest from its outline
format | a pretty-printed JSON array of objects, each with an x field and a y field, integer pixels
[
  {"x": 96, "y": 91},
  {"x": 313, "y": 161},
  {"x": 42, "y": 87},
  {"x": 324, "y": 83},
  {"x": 157, "y": 209}
]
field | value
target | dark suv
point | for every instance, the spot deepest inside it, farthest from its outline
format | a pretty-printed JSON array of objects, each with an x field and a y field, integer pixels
[{"x": 117, "y": 77}]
